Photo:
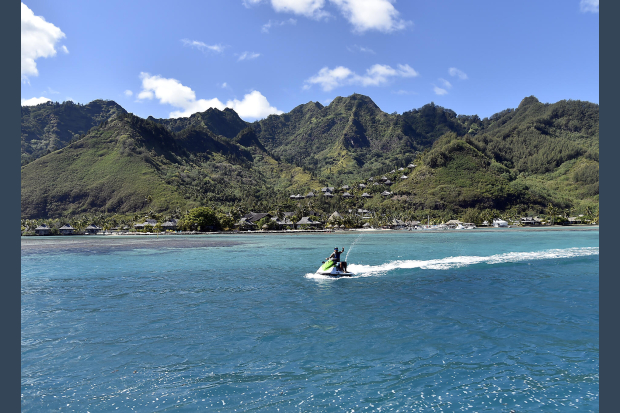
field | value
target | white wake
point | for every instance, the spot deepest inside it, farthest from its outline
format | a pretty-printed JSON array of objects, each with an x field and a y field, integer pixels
[{"x": 463, "y": 261}]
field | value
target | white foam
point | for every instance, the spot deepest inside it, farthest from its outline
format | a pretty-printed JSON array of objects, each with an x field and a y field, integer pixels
[{"x": 463, "y": 261}]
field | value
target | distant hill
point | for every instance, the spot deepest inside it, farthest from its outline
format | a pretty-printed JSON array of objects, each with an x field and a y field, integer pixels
[
  {"x": 50, "y": 126},
  {"x": 129, "y": 164},
  {"x": 524, "y": 158}
]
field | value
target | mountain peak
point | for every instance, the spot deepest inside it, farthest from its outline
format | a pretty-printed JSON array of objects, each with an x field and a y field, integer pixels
[{"x": 530, "y": 100}]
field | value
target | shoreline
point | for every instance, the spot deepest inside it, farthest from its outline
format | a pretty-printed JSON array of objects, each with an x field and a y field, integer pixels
[{"x": 297, "y": 232}]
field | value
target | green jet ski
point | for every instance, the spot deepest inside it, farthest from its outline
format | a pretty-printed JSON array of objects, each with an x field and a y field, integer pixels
[{"x": 334, "y": 269}]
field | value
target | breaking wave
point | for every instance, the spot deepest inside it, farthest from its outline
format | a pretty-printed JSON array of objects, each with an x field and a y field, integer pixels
[{"x": 464, "y": 261}]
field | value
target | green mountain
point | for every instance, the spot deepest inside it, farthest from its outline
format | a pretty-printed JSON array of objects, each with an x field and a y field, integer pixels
[
  {"x": 129, "y": 164},
  {"x": 50, "y": 126},
  {"x": 521, "y": 159},
  {"x": 352, "y": 138}
]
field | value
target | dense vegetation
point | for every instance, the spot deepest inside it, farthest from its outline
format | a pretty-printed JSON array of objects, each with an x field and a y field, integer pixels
[
  {"x": 50, "y": 126},
  {"x": 518, "y": 161}
]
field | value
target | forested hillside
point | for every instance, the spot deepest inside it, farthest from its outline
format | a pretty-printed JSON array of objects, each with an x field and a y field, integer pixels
[{"x": 103, "y": 159}]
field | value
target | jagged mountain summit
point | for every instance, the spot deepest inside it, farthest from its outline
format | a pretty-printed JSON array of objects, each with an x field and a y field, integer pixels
[{"x": 97, "y": 157}]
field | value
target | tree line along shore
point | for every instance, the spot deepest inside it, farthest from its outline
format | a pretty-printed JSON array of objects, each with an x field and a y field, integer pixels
[{"x": 207, "y": 219}]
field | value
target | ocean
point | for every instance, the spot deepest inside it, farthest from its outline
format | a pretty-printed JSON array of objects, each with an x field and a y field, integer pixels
[{"x": 490, "y": 320}]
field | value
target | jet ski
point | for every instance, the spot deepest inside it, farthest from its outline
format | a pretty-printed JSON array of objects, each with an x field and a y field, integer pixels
[{"x": 330, "y": 268}]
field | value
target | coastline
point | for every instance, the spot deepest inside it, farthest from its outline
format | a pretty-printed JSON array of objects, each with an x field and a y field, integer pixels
[{"x": 331, "y": 232}]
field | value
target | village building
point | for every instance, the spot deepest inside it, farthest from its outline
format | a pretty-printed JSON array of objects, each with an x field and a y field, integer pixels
[
  {"x": 307, "y": 221},
  {"x": 334, "y": 217},
  {"x": 411, "y": 166},
  {"x": 401, "y": 169},
  {"x": 362, "y": 186},
  {"x": 404, "y": 177},
  {"x": 366, "y": 195},
  {"x": 255, "y": 216},
  {"x": 148, "y": 222},
  {"x": 328, "y": 194},
  {"x": 386, "y": 193},
  {"x": 530, "y": 221},
  {"x": 328, "y": 189},
  {"x": 42, "y": 229},
  {"x": 388, "y": 182},
  {"x": 92, "y": 229},
  {"x": 345, "y": 187},
  {"x": 397, "y": 224},
  {"x": 347, "y": 195},
  {"x": 170, "y": 225},
  {"x": 244, "y": 224},
  {"x": 310, "y": 195},
  {"x": 66, "y": 230}
]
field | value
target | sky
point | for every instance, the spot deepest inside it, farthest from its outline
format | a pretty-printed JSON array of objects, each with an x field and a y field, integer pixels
[{"x": 262, "y": 57}]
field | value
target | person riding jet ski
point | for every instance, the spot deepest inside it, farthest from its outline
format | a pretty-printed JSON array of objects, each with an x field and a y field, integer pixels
[{"x": 335, "y": 257}]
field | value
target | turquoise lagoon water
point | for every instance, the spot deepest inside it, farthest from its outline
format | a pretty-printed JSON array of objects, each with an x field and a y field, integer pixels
[{"x": 447, "y": 321}]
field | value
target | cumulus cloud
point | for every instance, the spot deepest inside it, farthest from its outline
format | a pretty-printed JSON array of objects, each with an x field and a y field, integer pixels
[
  {"x": 453, "y": 71},
  {"x": 34, "y": 101},
  {"x": 38, "y": 39},
  {"x": 274, "y": 23},
  {"x": 248, "y": 56},
  {"x": 366, "y": 15},
  {"x": 588, "y": 6},
  {"x": 380, "y": 15},
  {"x": 308, "y": 8},
  {"x": 202, "y": 46},
  {"x": 128, "y": 93},
  {"x": 172, "y": 92},
  {"x": 376, "y": 75},
  {"x": 439, "y": 91}
]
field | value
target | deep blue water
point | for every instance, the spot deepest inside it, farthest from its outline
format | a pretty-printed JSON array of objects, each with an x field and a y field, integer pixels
[{"x": 447, "y": 321}]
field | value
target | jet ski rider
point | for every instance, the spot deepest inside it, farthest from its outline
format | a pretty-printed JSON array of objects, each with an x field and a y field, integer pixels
[{"x": 341, "y": 266}]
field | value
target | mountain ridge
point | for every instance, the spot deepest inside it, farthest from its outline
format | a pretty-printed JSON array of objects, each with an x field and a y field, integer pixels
[{"x": 525, "y": 157}]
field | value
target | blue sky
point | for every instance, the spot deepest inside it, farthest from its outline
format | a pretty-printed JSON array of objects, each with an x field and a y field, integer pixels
[{"x": 267, "y": 56}]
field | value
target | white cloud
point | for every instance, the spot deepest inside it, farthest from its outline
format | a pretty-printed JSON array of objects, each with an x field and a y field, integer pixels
[
  {"x": 366, "y": 15},
  {"x": 253, "y": 105},
  {"x": 128, "y": 93},
  {"x": 170, "y": 91},
  {"x": 308, "y": 8},
  {"x": 404, "y": 92},
  {"x": 34, "y": 101},
  {"x": 249, "y": 3},
  {"x": 224, "y": 85},
  {"x": 52, "y": 91},
  {"x": 445, "y": 83},
  {"x": 272, "y": 23},
  {"x": 362, "y": 49},
  {"x": 376, "y": 75},
  {"x": 453, "y": 71},
  {"x": 439, "y": 91},
  {"x": 38, "y": 39},
  {"x": 248, "y": 56},
  {"x": 218, "y": 48},
  {"x": 590, "y": 6}
]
